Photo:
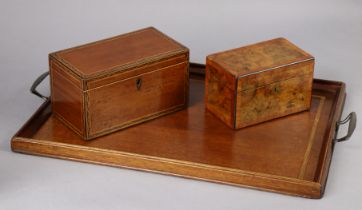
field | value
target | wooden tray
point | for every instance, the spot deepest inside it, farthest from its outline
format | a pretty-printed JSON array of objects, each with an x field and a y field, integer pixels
[{"x": 289, "y": 155}]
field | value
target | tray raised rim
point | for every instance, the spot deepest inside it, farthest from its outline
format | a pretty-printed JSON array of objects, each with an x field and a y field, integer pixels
[{"x": 249, "y": 179}]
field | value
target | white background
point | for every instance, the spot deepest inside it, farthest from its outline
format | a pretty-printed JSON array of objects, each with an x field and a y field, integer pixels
[{"x": 330, "y": 30}]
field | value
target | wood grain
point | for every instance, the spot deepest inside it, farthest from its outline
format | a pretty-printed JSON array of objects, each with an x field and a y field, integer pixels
[
  {"x": 125, "y": 51},
  {"x": 67, "y": 98},
  {"x": 258, "y": 57},
  {"x": 120, "y": 104},
  {"x": 272, "y": 101},
  {"x": 220, "y": 94}
]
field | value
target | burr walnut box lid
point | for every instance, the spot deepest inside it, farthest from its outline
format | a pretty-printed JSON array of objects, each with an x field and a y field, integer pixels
[
  {"x": 119, "y": 53},
  {"x": 257, "y": 58}
]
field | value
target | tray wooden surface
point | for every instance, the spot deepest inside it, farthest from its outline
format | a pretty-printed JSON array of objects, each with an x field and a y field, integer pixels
[{"x": 289, "y": 155}]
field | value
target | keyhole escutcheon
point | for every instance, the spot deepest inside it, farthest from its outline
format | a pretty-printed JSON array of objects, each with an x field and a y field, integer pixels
[{"x": 138, "y": 83}]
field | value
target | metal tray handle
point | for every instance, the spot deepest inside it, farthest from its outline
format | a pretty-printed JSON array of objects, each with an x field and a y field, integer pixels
[
  {"x": 36, "y": 83},
  {"x": 352, "y": 119}
]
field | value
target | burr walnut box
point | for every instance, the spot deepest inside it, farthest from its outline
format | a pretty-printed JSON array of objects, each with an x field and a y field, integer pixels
[
  {"x": 259, "y": 82},
  {"x": 114, "y": 83}
]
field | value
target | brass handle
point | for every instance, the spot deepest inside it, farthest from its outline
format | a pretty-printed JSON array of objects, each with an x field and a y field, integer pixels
[
  {"x": 36, "y": 83},
  {"x": 352, "y": 119},
  {"x": 138, "y": 83}
]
